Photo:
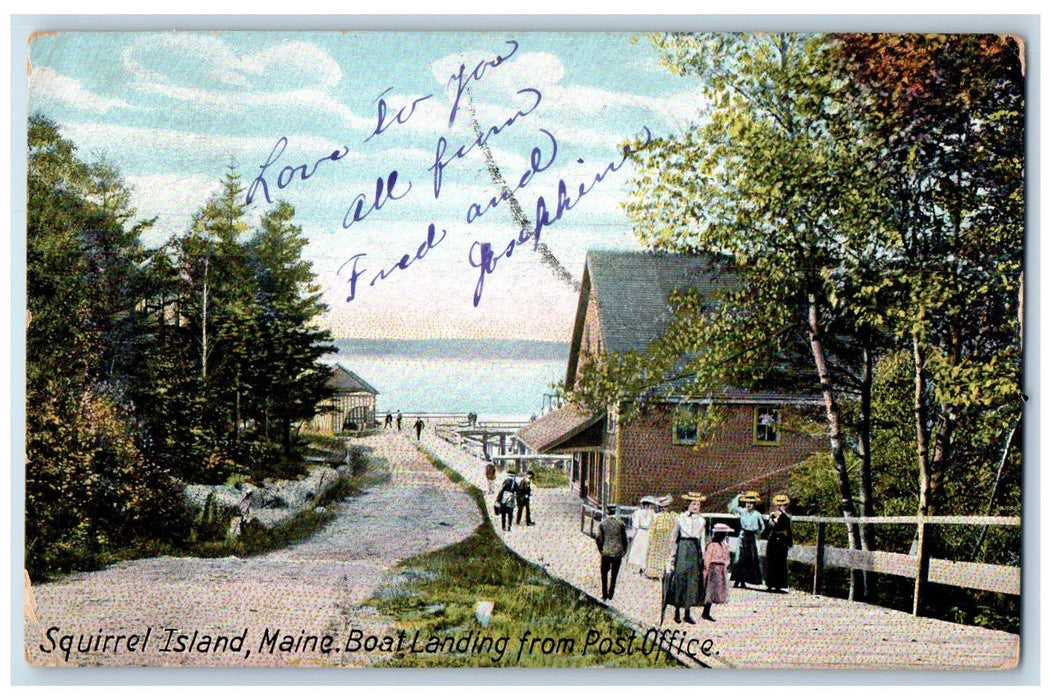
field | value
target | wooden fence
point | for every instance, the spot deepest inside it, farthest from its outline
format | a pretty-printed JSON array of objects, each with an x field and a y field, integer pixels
[{"x": 920, "y": 567}]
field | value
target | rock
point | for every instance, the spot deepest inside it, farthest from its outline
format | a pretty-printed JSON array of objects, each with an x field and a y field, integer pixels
[
  {"x": 320, "y": 510},
  {"x": 436, "y": 609},
  {"x": 483, "y": 612}
]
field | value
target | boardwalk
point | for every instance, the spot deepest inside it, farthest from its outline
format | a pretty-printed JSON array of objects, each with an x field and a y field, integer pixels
[{"x": 755, "y": 629}]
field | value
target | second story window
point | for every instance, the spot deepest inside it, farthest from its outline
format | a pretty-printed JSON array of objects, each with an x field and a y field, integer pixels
[
  {"x": 766, "y": 426},
  {"x": 684, "y": 425}
]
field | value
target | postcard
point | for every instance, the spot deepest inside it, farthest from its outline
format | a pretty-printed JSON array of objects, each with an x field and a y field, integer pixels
[{"x": 496, "y": 349}]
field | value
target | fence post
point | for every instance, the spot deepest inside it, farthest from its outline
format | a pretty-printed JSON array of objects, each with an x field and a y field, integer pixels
[
  {"x": 819, "y": 559},
  {"x": 923, "y": 567}
]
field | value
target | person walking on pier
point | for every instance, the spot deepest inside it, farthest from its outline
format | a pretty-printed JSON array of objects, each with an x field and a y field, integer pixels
[
  {"x": 418, "y": 425},
  {"x": 506, "y": 500},
  {"x": 716, "y": 559},
  {"x": 684, "y": 586},
  {"x": 612, "y": 541},
  {"x": 746, "y": 568},
  {"x": 778, "y": 546},
  {"x": 388, "y": 421}
]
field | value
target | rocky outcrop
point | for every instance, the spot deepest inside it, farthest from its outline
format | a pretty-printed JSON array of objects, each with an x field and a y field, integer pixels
[{"x": 273, "y": 503}]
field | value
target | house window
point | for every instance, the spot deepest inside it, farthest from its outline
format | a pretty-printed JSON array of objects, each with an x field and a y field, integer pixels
[
  {"x": 684, "y": 425},
  {"x": 766, "y": 426}
]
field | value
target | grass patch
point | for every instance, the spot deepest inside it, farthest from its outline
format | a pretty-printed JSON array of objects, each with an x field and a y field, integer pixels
[
  {"x": 435, "y": 595},
  {"x": 550, "y": 477}
]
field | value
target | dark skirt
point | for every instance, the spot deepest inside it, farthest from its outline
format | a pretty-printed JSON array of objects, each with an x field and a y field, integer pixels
[
  {"x": 746, "y": 569},
  {"x": 685, "y": 585},
  {"x": 777, "y": 562}
]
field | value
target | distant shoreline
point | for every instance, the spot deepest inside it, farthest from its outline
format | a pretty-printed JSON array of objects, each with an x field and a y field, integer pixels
[
  {"x": 498, "y": 379},
  {"x": 462, "y": 348}
]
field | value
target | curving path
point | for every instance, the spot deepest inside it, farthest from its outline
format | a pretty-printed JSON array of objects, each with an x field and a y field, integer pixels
[{"x": 307, "y": 589}]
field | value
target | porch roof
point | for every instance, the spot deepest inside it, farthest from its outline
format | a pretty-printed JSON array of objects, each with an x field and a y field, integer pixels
[{"x": 546, "y": 433}]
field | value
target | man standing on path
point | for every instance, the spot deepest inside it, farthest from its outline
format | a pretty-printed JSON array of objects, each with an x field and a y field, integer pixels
[
  {"x": 388, "y": 421},
  {"x": 506, "y": 500},
  {"x": 525, "y": 491},
  {"x": 612, "y": 541},
  {"x": 419, "y": 427},
  {"x": 399, "y": 421}
]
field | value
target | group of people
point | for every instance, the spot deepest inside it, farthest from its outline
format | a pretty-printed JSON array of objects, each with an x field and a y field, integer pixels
[
  {"x": 516, "y": 492},
  {"x": 390, "y": 420},
  {"x": 694, "y": 572}
]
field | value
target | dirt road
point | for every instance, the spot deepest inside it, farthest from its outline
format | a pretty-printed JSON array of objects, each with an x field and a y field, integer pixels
[{"x": 281, "y": 609}]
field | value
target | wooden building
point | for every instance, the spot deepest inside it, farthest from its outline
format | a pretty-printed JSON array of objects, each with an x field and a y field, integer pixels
[
  {"x": 623, "y": 307},
  {"x": 352, "y": 406}
]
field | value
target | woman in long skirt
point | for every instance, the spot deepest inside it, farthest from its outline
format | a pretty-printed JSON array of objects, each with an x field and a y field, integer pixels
[
  {"x": 641, "y": 521},
  {"x": 716, "y": 559},
  {"x": 685, "y": 583},
  {"x": 662, "y": 539},
  {"x": 778, "y": 546},
  {"x": 746, "y": 568}
]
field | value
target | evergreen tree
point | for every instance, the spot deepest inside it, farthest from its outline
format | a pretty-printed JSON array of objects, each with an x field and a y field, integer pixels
[{"x": 286, "y": 379}]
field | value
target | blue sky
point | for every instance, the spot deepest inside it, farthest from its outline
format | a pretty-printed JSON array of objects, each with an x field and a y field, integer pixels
[{"x": 172, "y": 110}]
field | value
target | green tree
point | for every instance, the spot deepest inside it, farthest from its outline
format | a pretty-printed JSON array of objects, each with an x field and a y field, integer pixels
[
  {"x": 90, "y": 488},
  {"x": 286, "y": 380},
  {"x": 769, "y": 180},
  {"x": 945, "y": 119}
]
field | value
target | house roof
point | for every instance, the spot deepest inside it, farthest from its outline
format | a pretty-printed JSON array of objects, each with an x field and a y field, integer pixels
[
  {"x": 552, "y": 429},
  {"x": 343, "y": 381},
  {"x": 632, "y": 289}
]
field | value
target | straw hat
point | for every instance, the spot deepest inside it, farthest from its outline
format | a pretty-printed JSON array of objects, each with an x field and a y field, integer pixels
[
  {"x": 750, "y": 497},
  {"x": 722, "y": 527},
  {"x": 665, "y": 501},
  {"x": 694, "y": 496},
  {"x": 652, "y": 500},
  {"x": 781, "y": 500}
]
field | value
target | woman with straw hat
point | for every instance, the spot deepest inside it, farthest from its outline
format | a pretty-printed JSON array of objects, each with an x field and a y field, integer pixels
[
  {"x": 746, "y": 568},
  {"x": 686, "y": 578},
  {"x": 778, "y": 546},
  {"x": 662, "y": 539}
]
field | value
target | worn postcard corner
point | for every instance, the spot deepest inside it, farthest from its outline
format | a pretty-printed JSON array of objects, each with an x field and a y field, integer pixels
[{"x": 570, "y": 350}]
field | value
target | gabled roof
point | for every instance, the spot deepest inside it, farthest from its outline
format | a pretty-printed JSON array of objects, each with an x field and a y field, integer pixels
[
  {"x": 631, "y": 290},
  {"x": 633, "y": 287},
  {"x": 551, "y": 430},
  {"x": 343, "y": 381}
]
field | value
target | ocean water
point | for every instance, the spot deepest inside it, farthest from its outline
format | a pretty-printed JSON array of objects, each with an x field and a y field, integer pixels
[{"x": 497, "y": 379}]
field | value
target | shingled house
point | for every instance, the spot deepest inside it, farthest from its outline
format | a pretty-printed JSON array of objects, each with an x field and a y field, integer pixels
[
  {"x": 623, "y": 307},
  {"x": 352, "y": 406}
]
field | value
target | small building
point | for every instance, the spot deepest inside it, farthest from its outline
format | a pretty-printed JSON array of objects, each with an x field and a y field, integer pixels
[
  {"x": 352, "y": 406},
  {"x": 624, "y": 307}
]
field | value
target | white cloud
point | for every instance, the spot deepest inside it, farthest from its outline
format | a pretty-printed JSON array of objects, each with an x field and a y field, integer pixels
[
  {"x": 294, "y": 75},
  {"x": 113, "y": 139},
  {"x": 302, "y": 63},
  {"x": 45, "y": 84}
]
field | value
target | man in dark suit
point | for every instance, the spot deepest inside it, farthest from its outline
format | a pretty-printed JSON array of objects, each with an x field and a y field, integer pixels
[{"x": 612, "y": 541}]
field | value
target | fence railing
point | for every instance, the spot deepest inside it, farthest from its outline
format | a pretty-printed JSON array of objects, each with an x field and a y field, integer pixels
[{"x": 918, "y": 566}]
